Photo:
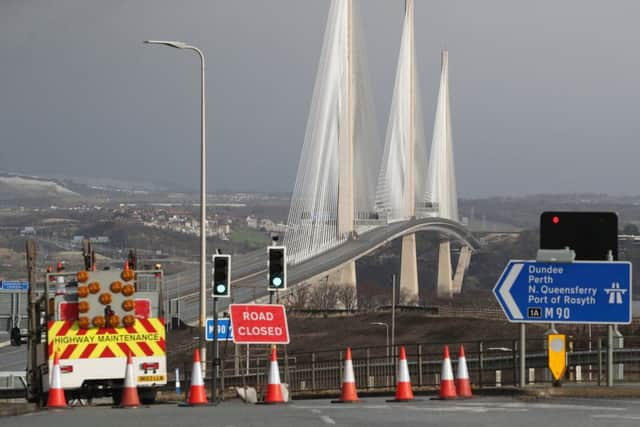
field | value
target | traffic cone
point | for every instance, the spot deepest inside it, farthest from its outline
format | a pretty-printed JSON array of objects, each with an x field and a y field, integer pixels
[
  {"x": 126, "y": 266},
  {"x": 349, "y": 393},
  {"x": 447, "y": 387},
  {"x": 403, "y": 382},
  {"x": 56, "y": 393},
  {"x": 197, "y": 393},
  {"x": 130, "y": 398},
  {"x": 274, "y": 388},
  {"x": 463, "y": 384}
]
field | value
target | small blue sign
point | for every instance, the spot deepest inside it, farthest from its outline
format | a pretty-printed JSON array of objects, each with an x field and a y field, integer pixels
[
  {"x": 225, "y": 333},
  {"x": 577, "y": 292},
  {"x": 14, "y": 285}
]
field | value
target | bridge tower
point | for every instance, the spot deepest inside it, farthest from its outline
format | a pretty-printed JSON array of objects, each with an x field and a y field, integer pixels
[
  {"x": 442, "y": 187},
  {"x": 335, "y": 183},
  {"x": 346, "y": 276},
  {"x": 402, "y": 178}
]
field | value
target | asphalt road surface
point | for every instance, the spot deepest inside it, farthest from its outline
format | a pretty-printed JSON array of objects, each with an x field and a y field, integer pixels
[{"x": 480, "y": 411}]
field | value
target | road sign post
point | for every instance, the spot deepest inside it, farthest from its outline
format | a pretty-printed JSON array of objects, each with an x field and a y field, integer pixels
[{"x": 578, "y": 292}]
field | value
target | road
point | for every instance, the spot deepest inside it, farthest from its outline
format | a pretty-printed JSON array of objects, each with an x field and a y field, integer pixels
[{"x": 480, "y": 411}]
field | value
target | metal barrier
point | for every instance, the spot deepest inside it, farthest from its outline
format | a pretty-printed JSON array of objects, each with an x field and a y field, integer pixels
[
  {"x": 490, "y": 363},
  {"x": 13, "y": 380}
]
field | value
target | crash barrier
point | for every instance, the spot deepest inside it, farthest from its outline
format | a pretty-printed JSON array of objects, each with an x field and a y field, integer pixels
[{"x": 490, "y": 363}]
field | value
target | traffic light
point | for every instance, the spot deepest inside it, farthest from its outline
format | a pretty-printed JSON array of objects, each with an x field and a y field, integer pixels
[
  {"x": 222, "y": 276},
  {"x": 277, "y": 268},
  {"x": 590, "y": 234}
]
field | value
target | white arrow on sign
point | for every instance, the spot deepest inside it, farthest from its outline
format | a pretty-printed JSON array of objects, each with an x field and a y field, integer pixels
[{"x": 506, "y": 287}]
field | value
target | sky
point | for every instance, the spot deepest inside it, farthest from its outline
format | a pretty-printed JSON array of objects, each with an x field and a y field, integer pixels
[{"x": 544, "y": 95}]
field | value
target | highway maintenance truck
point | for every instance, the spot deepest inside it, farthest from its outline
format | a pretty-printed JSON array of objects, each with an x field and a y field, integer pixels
[{"x": 93, "y": 319}]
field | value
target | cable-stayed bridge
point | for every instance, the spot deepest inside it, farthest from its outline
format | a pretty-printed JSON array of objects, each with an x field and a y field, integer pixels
[{"x": 352, "y": 194}]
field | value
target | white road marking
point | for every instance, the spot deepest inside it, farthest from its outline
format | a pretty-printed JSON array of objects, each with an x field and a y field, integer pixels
[
  {"x": 560, "y": 406},
  {"x": 474, "y": 409},
  {"x": 616, "y": 416},
  {"x": 316, "y": 411},
  {"x": 354, "y": 406},
  {"x": 327, "y": 420}
]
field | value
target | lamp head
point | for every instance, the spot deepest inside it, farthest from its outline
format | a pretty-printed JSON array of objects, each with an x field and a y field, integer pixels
[{"x": 175, "y": 44}]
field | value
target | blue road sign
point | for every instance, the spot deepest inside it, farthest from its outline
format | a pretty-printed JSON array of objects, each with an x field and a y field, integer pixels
[
  {"x": 14, "y": 285},
  {"x": 578, "y": 292},
  {"x": 225, "y": 333}
]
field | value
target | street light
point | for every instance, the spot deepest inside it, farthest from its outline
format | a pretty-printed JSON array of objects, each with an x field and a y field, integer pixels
[
  {"x": 203, "y": 193},
  {"x": 386, "y": 326}
]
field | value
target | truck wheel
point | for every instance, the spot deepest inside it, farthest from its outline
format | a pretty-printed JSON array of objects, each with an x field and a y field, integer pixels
[
  {"x": 116, "y": 396},
  {"x": 147, "y": 395}
]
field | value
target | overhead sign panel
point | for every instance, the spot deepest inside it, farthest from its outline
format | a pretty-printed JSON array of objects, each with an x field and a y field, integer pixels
[
  {"x": 578, "y": 292},
  {"x": 259, "y": 324}
]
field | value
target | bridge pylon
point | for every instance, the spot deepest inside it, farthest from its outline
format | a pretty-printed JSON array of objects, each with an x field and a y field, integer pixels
[
  {"x": 445, "y": 281},
  {"x": 409, "y": 291}
]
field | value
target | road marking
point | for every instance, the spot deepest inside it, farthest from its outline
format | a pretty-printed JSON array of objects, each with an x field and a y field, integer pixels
[
  {"x": 341, "y": 407},
  {"x": 468, "y": 408},
  {"x": 327, "y": 420},
  {"x": 616, "y": 416},
  {"x": 316, "y": 411},
  {"x": 561, "y": 406}
]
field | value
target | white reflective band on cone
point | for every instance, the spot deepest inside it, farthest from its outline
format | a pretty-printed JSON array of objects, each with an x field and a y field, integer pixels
[
  {"x": 196, "y": 376},
  {"x": 129, "y": 379},
  {"x": 274, "y": 373},
  {"x": 463, "y": 373},
  {"x": 348, "y": 372},
  {"x": 403, "y": 372},
  {"x": 55, "y": 377},
  {"x": 447, "y": 373}
]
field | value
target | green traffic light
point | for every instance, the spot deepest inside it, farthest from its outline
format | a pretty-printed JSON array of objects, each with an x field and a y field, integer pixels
[
  {"x": 276, "y": 281},
  {"x": 221, "y": 288}
]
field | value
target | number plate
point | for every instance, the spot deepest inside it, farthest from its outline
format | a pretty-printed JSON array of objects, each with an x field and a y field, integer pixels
[{"x": 151, "y": 378}]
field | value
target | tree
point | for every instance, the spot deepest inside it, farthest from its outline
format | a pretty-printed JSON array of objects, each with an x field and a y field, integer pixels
[
  {"x": 298, "y": 298},
  {"x": 348, "y": 296},
  {"x": 324, "y": 297}
]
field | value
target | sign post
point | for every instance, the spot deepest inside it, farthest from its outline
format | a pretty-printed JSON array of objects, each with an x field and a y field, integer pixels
[{"x": 567, "y": 292}]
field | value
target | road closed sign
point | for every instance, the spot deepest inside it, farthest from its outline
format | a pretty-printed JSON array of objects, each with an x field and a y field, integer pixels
[{"x": 259, "y": 324}]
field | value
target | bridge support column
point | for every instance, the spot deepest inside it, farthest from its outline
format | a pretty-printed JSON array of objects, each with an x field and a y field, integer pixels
[
  {"x": 463, "y": 263},
  {"x": 409, "y": 292},
  {"x": 445, "y": 283}
]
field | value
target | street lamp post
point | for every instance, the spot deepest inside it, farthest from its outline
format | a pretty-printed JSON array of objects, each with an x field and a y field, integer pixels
[
  {"x": 386, "y": 326},
  {"x": 203, "y": 194}
]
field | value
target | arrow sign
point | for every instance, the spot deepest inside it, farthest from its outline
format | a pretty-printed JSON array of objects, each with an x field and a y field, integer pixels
[
  {"x": 578, "y": 292},
  {"x": 225, "y": 333}
]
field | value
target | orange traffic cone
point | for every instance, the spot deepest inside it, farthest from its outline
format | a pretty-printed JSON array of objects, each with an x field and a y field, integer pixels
[
  {"x": 130, "y": 398},
  {"x": 463, "y": 384},
  {"x": 274, "y": 388},
  {"x": 56, "y": 393},
  {"x": 404, "y": 393},
  {"x": 447, "y": 387},
  {"x": 349, "y": 393},
  {"x": 197, "y": 393}
]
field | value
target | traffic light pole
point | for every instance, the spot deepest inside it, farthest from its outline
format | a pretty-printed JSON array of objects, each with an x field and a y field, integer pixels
[{"x": 216, "y": 356}]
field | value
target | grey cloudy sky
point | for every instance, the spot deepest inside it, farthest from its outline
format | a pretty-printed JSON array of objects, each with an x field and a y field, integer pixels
[{"x": 545, "y": 94}]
